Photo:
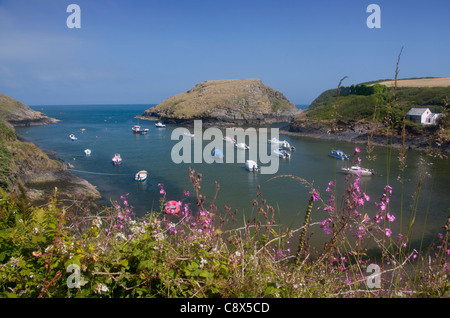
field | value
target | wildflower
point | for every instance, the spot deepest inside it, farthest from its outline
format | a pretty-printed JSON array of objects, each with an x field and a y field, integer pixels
[
  {"x": 360, "y": 232},
  {"x": 390, "y": 217},
  {"x": 387, "y": 232},
  {"x": 125, "y": 202},
  {"x": 162, "y": 191},
  {"x": 324, "y": 225},
  {"x": 101, "y": 288},
  {"x": 315, "y": 195},
  {"x": 357, "y": 149}
]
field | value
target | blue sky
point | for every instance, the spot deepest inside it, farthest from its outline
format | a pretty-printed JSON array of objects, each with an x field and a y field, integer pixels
[{"x": 145, "y": 51}]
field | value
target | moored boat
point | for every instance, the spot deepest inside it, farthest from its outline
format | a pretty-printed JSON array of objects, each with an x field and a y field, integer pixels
[
  {"x": 229, "y": 139},
  {"x": 87, "y": 152},
  {"x": 251, "y": 165},
  {"x": 286, "y": 146},
  {"x": 117, "y": 159},
  {"x": 282, "y": 153},
  {"x": 242, "y": 146},
  {"x": 138, "y": 130},
  {"x": 339, "y": 154},
  {"x": 358, "y": 171},
  {"x": 141, "y": 175},
  {"x": 217, "y": 153},
  {"x": 72, "y": 137},
  {"x": 160, "y": 125},
  {"x": 275, "y": 141}
]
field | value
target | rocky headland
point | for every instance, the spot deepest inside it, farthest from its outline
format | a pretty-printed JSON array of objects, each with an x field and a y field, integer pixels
[{"x": 216, "y": 102}]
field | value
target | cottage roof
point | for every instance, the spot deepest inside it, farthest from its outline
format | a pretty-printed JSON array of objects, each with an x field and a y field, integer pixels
[{"x": 416, "y": 111}]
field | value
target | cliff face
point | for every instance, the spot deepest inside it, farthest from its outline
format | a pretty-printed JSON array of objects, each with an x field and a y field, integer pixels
[
  {"x": 238, "y": 101},
  {"x": 19, "y": 114}
]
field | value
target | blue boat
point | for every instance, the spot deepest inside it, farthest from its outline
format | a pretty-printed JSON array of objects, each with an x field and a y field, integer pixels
[
  {"x": 218, "y": 153},
  {"x": 339, "y": 154}
]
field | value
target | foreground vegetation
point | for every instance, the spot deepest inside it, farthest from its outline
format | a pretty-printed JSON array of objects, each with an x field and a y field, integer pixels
[{"x": 75, "y": 249}]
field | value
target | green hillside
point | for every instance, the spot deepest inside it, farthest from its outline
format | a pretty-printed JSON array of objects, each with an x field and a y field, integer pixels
[{"x": 358, "y": 102}]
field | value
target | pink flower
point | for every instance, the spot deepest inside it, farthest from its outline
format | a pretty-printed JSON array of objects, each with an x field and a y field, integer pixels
[
  {"x": 315, "y": 195},
  {"x": 390, "y": 217},
  {"x": 387, "y": 231},
  {"x": 162, "y": 191},
  {"x": 357, "y": 149}
]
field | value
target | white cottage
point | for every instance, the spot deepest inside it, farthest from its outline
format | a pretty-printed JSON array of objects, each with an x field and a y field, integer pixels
[{"x": 423, "y": 116}]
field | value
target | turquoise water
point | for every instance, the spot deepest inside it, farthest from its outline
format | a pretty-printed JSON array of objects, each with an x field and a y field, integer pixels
[{"x": 107, "y": 130}]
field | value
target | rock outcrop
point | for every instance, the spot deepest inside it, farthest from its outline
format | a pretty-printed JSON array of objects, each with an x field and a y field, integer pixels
[{"x": 237, "y": 101}]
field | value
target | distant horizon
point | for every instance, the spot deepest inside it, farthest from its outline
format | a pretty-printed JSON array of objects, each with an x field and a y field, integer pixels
[{"x": 133, "y": 51}]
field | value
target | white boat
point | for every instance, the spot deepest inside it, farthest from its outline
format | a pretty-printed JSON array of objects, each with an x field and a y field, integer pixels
[
  {"x": 160, "y": 125},
  {"x": 251, "y": 165},
  {"x": 282, "y": 153},
  {"x": 117, "y": 159},
  {"x": 87, "y": 152},
  {"x": 141, "y": 175},
  {"x": 275, "y": 141},
  {"x": 286, "y": 146},
  {"x": 138, "y": 130},
  {"x": 358, "y": 170},
  {"x": 72, "y": 137},
  {"x": 243, "y": 146},
  {"x": 229, "y": 139}
]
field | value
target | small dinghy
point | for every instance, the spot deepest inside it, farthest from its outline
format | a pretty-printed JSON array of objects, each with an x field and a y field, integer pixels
[
  {"x": 188, "y": 134},
  {"x": 251, "y": 165},
  {"x": 172, "y": 207},
  {"x": 286, "y": 146},
  {"x": 87, "y": 152},
  {"x": 141, "y": 175},
  {"x": 339, "y": 154},
  {"x": 229, "y": 139},
  {"x": 117, "y": 159},
  {"x": 72, "y": 137},
  {"x": 242, "y": 146},
  {"x": 217, "y": 153},
  {"x": 160, "y": 125}
]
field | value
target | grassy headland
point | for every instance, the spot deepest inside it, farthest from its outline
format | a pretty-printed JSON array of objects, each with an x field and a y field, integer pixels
[{"x": 374, "y": 108}]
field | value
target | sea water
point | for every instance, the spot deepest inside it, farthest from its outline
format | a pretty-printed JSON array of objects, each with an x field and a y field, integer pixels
[{"x": 106, "y": 130}]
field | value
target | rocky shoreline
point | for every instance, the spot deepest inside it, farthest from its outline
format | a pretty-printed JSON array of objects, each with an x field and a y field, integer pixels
[{"x": 361, "y": 134}]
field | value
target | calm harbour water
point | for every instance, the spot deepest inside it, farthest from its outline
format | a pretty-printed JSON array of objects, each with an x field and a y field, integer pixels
[{"x": 107, "y": 130}]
